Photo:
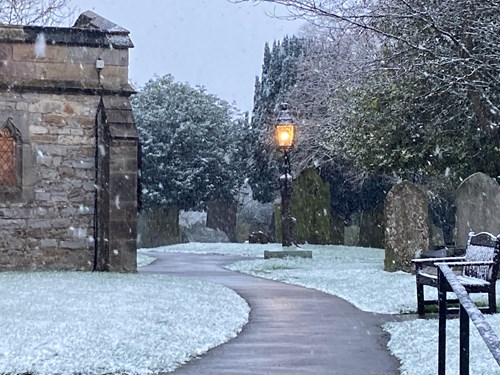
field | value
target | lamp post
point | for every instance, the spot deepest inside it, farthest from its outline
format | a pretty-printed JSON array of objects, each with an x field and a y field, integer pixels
[{"x": 284, "y": 132}]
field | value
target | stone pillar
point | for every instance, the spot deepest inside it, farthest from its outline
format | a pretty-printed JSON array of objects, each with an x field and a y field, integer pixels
[
  {"x": 406, "y": 226},
  {"x": 118, "y": 212}
]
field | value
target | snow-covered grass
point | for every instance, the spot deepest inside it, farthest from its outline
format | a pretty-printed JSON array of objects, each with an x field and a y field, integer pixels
[
  {"x": 95, "y": 323},
  {"x": 242, "y": 249},
  {"x": 415, "y": 343},
  {"x": 144, "y": 260},
  {"x": 356, "y": 275}
]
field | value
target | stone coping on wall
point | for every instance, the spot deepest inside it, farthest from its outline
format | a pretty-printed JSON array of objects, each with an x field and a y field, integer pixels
[
  {"x": 55, "y": 87},
  {"x": 90, "y": 30}
]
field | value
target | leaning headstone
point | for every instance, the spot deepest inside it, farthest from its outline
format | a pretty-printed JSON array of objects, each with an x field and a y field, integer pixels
[
  {"x": 222, "y": 216},
  {"x": 477, "y": 207},
  {"x": 158, "y": 227},
  {"x": 311, "y": 208},
  {"x": 406, "y": 226},
  {"x": 371, "y": 231}
]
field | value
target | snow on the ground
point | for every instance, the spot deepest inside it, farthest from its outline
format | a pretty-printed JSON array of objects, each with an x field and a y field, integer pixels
[
  {"x": 95, "y": 323},
  {"x": 144, "y": 260},
  {"x": 415, "y": 343},
  {"x": 242, "y": 249},
  {"x": 356, "y": 275}
]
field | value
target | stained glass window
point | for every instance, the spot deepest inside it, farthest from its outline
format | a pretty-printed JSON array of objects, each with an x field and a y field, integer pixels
[{"x": 7, "y": 158}]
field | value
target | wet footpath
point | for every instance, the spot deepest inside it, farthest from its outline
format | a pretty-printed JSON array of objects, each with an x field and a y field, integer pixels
[{"x": 292, "y": 330}]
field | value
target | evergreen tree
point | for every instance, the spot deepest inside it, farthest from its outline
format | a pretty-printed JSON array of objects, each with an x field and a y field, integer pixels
[
  {"x": 279, "y": 71},
  {"x": 193, "y": 146}
]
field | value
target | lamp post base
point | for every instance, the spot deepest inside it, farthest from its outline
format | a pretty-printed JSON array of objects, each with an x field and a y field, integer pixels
[{"x": 287, "y": 253}]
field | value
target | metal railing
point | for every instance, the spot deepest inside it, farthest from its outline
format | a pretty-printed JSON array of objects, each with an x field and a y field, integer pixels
[{"x": 448, "y": 280}]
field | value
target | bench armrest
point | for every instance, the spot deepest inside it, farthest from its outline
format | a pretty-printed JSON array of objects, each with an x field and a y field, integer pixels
[
  {"x": 437, "y": 260},
  {"x": 423, "y": 262},
  {"x": 464, "y": 264}
]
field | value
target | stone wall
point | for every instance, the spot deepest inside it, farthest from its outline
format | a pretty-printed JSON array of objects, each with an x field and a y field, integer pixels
[
  {"x": 50, "y": 94},
  {"x": 51, "y": 225}
]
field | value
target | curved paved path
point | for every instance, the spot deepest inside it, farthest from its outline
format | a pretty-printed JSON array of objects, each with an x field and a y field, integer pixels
[{"x": 292, "y": 330}]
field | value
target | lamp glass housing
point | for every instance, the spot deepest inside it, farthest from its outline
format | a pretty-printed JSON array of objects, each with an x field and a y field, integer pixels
[{"x": 284, "y": 134}]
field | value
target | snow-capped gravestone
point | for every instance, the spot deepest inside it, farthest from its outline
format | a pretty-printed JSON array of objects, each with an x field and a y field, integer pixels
[
  {"x": 68, "y": 187},
  {"x": 371, "y": 231},
  {"x": 477, "y": 207},
  {"x": 406, "y": 226}
]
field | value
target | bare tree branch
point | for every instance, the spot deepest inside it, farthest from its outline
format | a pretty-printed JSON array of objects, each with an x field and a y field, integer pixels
[{"x": 35, "y": 12}]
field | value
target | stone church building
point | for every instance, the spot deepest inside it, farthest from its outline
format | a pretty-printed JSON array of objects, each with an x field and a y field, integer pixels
[{"x": 68, "y": 148}]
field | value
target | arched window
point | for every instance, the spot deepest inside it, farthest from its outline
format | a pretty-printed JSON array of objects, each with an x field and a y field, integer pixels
[
  {"x": 8, "y": 170},
  {"x": 11, "y": 161}
]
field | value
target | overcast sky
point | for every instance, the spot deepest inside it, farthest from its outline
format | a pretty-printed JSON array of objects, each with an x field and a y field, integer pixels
[{"x": 213, "y": 43}]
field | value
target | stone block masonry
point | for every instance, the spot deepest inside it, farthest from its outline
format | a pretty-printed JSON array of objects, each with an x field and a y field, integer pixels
[{"x": 51, "y": 96}]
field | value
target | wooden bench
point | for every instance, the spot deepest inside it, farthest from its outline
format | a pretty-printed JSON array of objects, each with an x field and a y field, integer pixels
[{"x": 478, "y": 270}]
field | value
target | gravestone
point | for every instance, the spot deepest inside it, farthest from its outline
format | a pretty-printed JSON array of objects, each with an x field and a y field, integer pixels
[
  {"x": 254, "y": 216},
  {"x": 311, "y": 209},
  {"x": 406, "y": 226},
  {"x": 337, "y": 230},
  {"x": 371, "y": 231},
  {"x": 222, "y": 216},
  {"x": 158, "y": 227},
  {"x": 351, "y": 235},
  {"x": 201, "y": 233},
  {"x": 436, "y": 237},
  {"x": 477, "y": 207}
]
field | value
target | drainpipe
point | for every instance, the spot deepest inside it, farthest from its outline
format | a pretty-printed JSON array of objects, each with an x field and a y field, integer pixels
[{"x": 100, "y": 115}]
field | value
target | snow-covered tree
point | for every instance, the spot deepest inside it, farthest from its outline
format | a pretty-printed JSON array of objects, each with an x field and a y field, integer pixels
[
  {"x": 34, "y": 12},
  {"x": 279, "y": 72},
  {"x": 193, "y": 145},
  {"x": 432, "y": 105}
]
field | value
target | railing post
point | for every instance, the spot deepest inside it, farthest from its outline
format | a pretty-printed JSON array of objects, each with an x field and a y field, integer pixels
[
  {"x": 464, "y": 341},
  {"x": 442, "y": 323},
  {"x": 447, "y": 281}
]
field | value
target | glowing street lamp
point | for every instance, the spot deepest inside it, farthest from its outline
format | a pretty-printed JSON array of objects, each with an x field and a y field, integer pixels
[
  {"x": 284, "y": 132},
  {"x": 284, "y": 129}
]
